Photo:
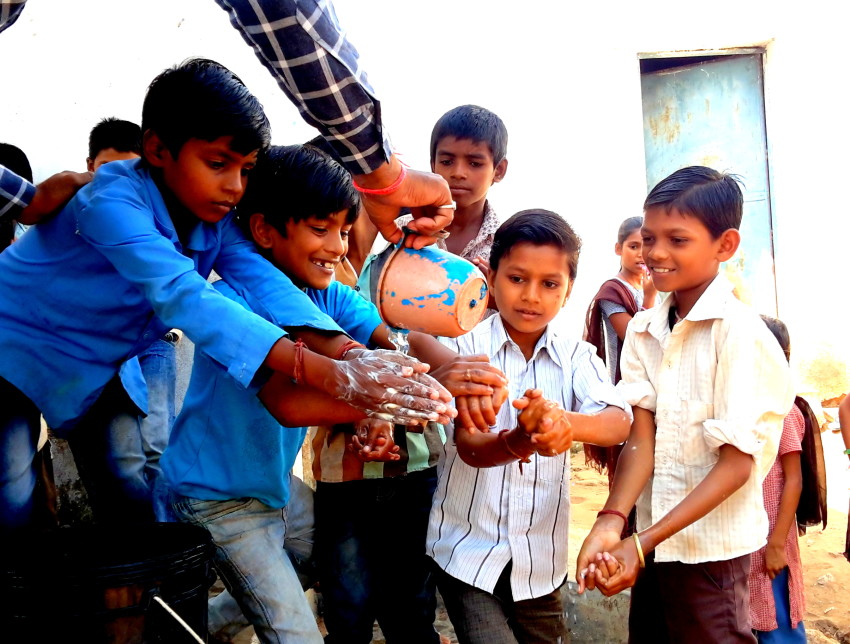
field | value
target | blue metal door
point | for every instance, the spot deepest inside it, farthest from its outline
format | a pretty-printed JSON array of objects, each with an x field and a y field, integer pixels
[{"x": 712, "y": 113}]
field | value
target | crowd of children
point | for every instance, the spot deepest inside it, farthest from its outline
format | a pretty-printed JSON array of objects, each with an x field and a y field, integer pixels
[{"x": 687, "y": 402}]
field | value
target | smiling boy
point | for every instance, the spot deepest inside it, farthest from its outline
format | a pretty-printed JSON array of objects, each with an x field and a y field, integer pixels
[
  {"x": 127, "y": 260},
  {"x": 710, "y": 388}
]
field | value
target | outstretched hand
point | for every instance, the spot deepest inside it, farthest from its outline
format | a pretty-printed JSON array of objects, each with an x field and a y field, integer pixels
[
  {"x": 479, "y": 389},
  {"x": 381, "y": 384},
  {"x": 604, "y": 535},
  {"x": 373, "y": 441},
  {"x": 426, "y": 194}
]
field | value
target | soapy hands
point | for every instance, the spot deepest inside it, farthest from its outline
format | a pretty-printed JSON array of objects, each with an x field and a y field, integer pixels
[{"x": 373, "y": 441}]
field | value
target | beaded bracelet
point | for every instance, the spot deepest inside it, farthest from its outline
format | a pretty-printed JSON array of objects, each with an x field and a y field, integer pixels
[{"x": 616, "y": 513}]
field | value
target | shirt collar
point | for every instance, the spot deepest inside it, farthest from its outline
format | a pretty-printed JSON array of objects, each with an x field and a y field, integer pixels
[
  {"x": 710, "y": 305},
  {"x": 499, "y": 338}
]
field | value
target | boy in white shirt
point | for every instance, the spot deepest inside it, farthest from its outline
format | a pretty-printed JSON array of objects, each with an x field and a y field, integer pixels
[
  {"x": 498, "y": 532},
  {"x": 710, "y": 388}
]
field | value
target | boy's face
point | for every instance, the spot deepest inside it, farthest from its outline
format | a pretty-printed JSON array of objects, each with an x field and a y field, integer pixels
[
  {"x": 108, "y": 156},
  {"x": 531, "y": 285},
  {"x": 681, "y": 254},
  {"x": 468, "y": 168},
  {"x": 311, "y": 249},
  {"x": 207, "y": 177}
]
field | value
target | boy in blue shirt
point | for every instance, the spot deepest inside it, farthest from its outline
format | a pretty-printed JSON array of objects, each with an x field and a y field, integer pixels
[
  {"x": 127, "y": 260},
  {"x": 229, "y": 458}
]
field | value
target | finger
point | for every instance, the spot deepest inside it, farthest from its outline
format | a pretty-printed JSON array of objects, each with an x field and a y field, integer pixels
[
  {"x": 475, "y": 415},
  {"x": 487, "y": 411},
  {"x": 521, "y": 403},
  {"x": 463, "y": 420}
]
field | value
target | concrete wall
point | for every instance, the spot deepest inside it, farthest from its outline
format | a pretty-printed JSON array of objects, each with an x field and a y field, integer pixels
[{"x": 565, "y": 79}]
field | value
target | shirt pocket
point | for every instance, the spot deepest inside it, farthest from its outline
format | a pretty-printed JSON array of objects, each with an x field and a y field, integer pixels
[{"x": 692, "y": 450}]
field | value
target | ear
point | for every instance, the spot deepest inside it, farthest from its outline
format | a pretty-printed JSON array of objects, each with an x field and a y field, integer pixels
[
  {"x": 501, "y": 170},
  {"x": 569, "y": 292},
  {"x": 153, "y": 149},
  {"x": 433, "y": 165},
  {"x": 618, "y": 249},
  {"x": 89, "y": 164},
  {"x": 729, "y": 241},
  {"x": 261, "y": 230}
]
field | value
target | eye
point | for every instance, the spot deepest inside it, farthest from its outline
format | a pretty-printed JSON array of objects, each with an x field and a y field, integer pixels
[
  {"x": 516, "y": 279},
  {"x": 445, "y": 162},
  {"x": 678, "y": 240},
  {"x": 345, "y": 234},
  {"x": 648, "y": 240},
  {"x": 476, "y": 164},
  {"x": 551, "y": 284},
  {"x": 215, "y": 164},
  {"x": 247, "y": 170},
  {"x": 319, "y": 230}
]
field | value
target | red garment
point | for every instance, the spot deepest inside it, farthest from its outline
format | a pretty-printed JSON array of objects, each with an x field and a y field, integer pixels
[{"x": 762, "y": 607}]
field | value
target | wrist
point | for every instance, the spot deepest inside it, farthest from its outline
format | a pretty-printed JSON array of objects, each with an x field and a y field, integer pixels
[
  {"x": 517, "y": 443},
  {"x": 382, "y": 177}
]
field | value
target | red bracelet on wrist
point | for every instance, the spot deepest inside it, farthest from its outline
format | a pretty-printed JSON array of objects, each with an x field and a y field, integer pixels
[
  {"x": 344, "y": 349},
  {"x": 382, "y": 191},
  {"x": 616, "y": 513},
  {"x": 298, "y": 367}
]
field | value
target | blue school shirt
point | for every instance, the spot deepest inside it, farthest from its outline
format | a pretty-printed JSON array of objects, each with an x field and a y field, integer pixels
[
  {"x": 98, "y": 283},
  {"x": 224, "y": 444}
]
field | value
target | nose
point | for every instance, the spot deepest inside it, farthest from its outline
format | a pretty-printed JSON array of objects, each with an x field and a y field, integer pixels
[
  {"x": 234, "y": 182},
  {"x": 459, "y": 170},
  {"x": 531, "y": 292},
  {"x": 334, "y": 243}
]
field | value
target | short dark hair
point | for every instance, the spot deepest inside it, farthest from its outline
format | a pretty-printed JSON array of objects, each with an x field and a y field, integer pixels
[
  {"x": 476, "y": 124},
  {"x": 202, "y": 99},
  {"x": 780, "y": 332},
  {"x": 295, "y": 182},
  {"x": 541, "y": 228},
  {"x": 713, "y": 197},
  {"x": 13, "y": 158},
  {"x": 628, "y": 226},
  {"x": 111, "y": 132}
]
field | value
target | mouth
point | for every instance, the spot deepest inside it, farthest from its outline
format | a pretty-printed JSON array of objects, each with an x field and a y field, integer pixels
[
  {"x": 325, "y": 265},
  {"x": 657, "y": 270},
  {"x": 223, "y": 206},
  {"x": 527, "y": 314}
]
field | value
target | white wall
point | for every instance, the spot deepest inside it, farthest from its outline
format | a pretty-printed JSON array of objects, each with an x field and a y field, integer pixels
[{"x": 565, "y": 80}]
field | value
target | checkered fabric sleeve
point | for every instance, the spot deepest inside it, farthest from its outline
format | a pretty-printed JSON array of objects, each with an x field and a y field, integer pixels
[
  {"x": 303, "y": 46},
  {"x": 9, "y": 12},
  {"x": 16, "y": 193}
]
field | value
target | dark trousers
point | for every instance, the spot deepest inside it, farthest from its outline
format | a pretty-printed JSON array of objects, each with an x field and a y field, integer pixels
[
  {"x": 370, "y": 549},
  {"x": 673, "y": 602},
  {"x": 480, "y": 617}
]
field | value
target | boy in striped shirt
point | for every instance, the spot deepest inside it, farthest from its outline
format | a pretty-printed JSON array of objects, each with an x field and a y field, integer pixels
[{"x": 498, "y": 533}]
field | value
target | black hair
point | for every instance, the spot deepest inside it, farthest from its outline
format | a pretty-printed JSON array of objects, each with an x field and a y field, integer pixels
[
  {"x": 15, "y": 160},
  {"x": 541, "y": 228},
  {"x": 295, "y": 182},
  {"x": 476, "y": 124},
  {"x": 811, "y": 509},
  {"x": 202, "y": 99},
  {"x": 713, "y": 197},
  {"x": 111, "y": 132},
  {"x": 629, "y": 226}
]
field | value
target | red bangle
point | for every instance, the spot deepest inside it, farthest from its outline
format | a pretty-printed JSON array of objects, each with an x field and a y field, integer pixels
[
  {"x": 616, "y": 513},
  {"x": 298, "y": 368},
  {"x": 382, "y": 191},
  {"x": 344, "y": 349}
]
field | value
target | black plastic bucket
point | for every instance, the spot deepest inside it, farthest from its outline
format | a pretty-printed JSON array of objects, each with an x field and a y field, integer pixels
[{"x": 96, "y": 584}]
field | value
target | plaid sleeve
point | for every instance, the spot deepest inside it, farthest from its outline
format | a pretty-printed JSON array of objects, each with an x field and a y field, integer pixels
[
  {"x": 9, "y": 12},
  {"x": 16, "y": 193},
  {"x": 304, "y": 48}
]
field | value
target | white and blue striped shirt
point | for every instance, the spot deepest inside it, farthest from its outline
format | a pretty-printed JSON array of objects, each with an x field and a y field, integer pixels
[{"x": 481, "y": 519}]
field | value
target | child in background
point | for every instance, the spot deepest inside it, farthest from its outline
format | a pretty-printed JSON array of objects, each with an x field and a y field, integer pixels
[
  {"x": 612, "y": 308},
  {"x": 777, "y": 600},
  {"x": 127, "y": 260},
  {"x": 709, "y": 388},
  {"x": 499, "y": 535},
  {"x": 229, "y": 459},
  {"x": 113, "y": 139}
]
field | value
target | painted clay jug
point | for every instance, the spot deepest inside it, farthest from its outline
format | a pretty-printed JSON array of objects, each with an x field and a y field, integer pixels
[{"x": 432, "y": 291}]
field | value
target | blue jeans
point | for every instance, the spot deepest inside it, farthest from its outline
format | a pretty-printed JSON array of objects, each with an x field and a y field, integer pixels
[
  {"x": 257, "y": 551},
  {"x": 20, "y": 424},
  {"x": 117, "y": 450},
  {"x": 370, "y": 549}
]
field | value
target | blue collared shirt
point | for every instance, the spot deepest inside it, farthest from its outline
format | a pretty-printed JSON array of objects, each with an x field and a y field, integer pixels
[
  {"x": 98, "y": 283},
  {"x": 225, "y": 444}
]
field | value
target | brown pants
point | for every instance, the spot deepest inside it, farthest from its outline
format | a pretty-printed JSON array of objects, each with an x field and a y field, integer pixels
[{"x": 674, "y": 602}]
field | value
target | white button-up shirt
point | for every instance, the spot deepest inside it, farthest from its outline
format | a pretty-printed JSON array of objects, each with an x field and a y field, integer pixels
[
  {"x": 481, "y": 519},
  {"x": 719, "y": 377}
]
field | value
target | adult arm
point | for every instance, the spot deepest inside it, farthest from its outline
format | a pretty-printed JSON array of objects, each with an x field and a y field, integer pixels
[{"x": 304, "y": 48}]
